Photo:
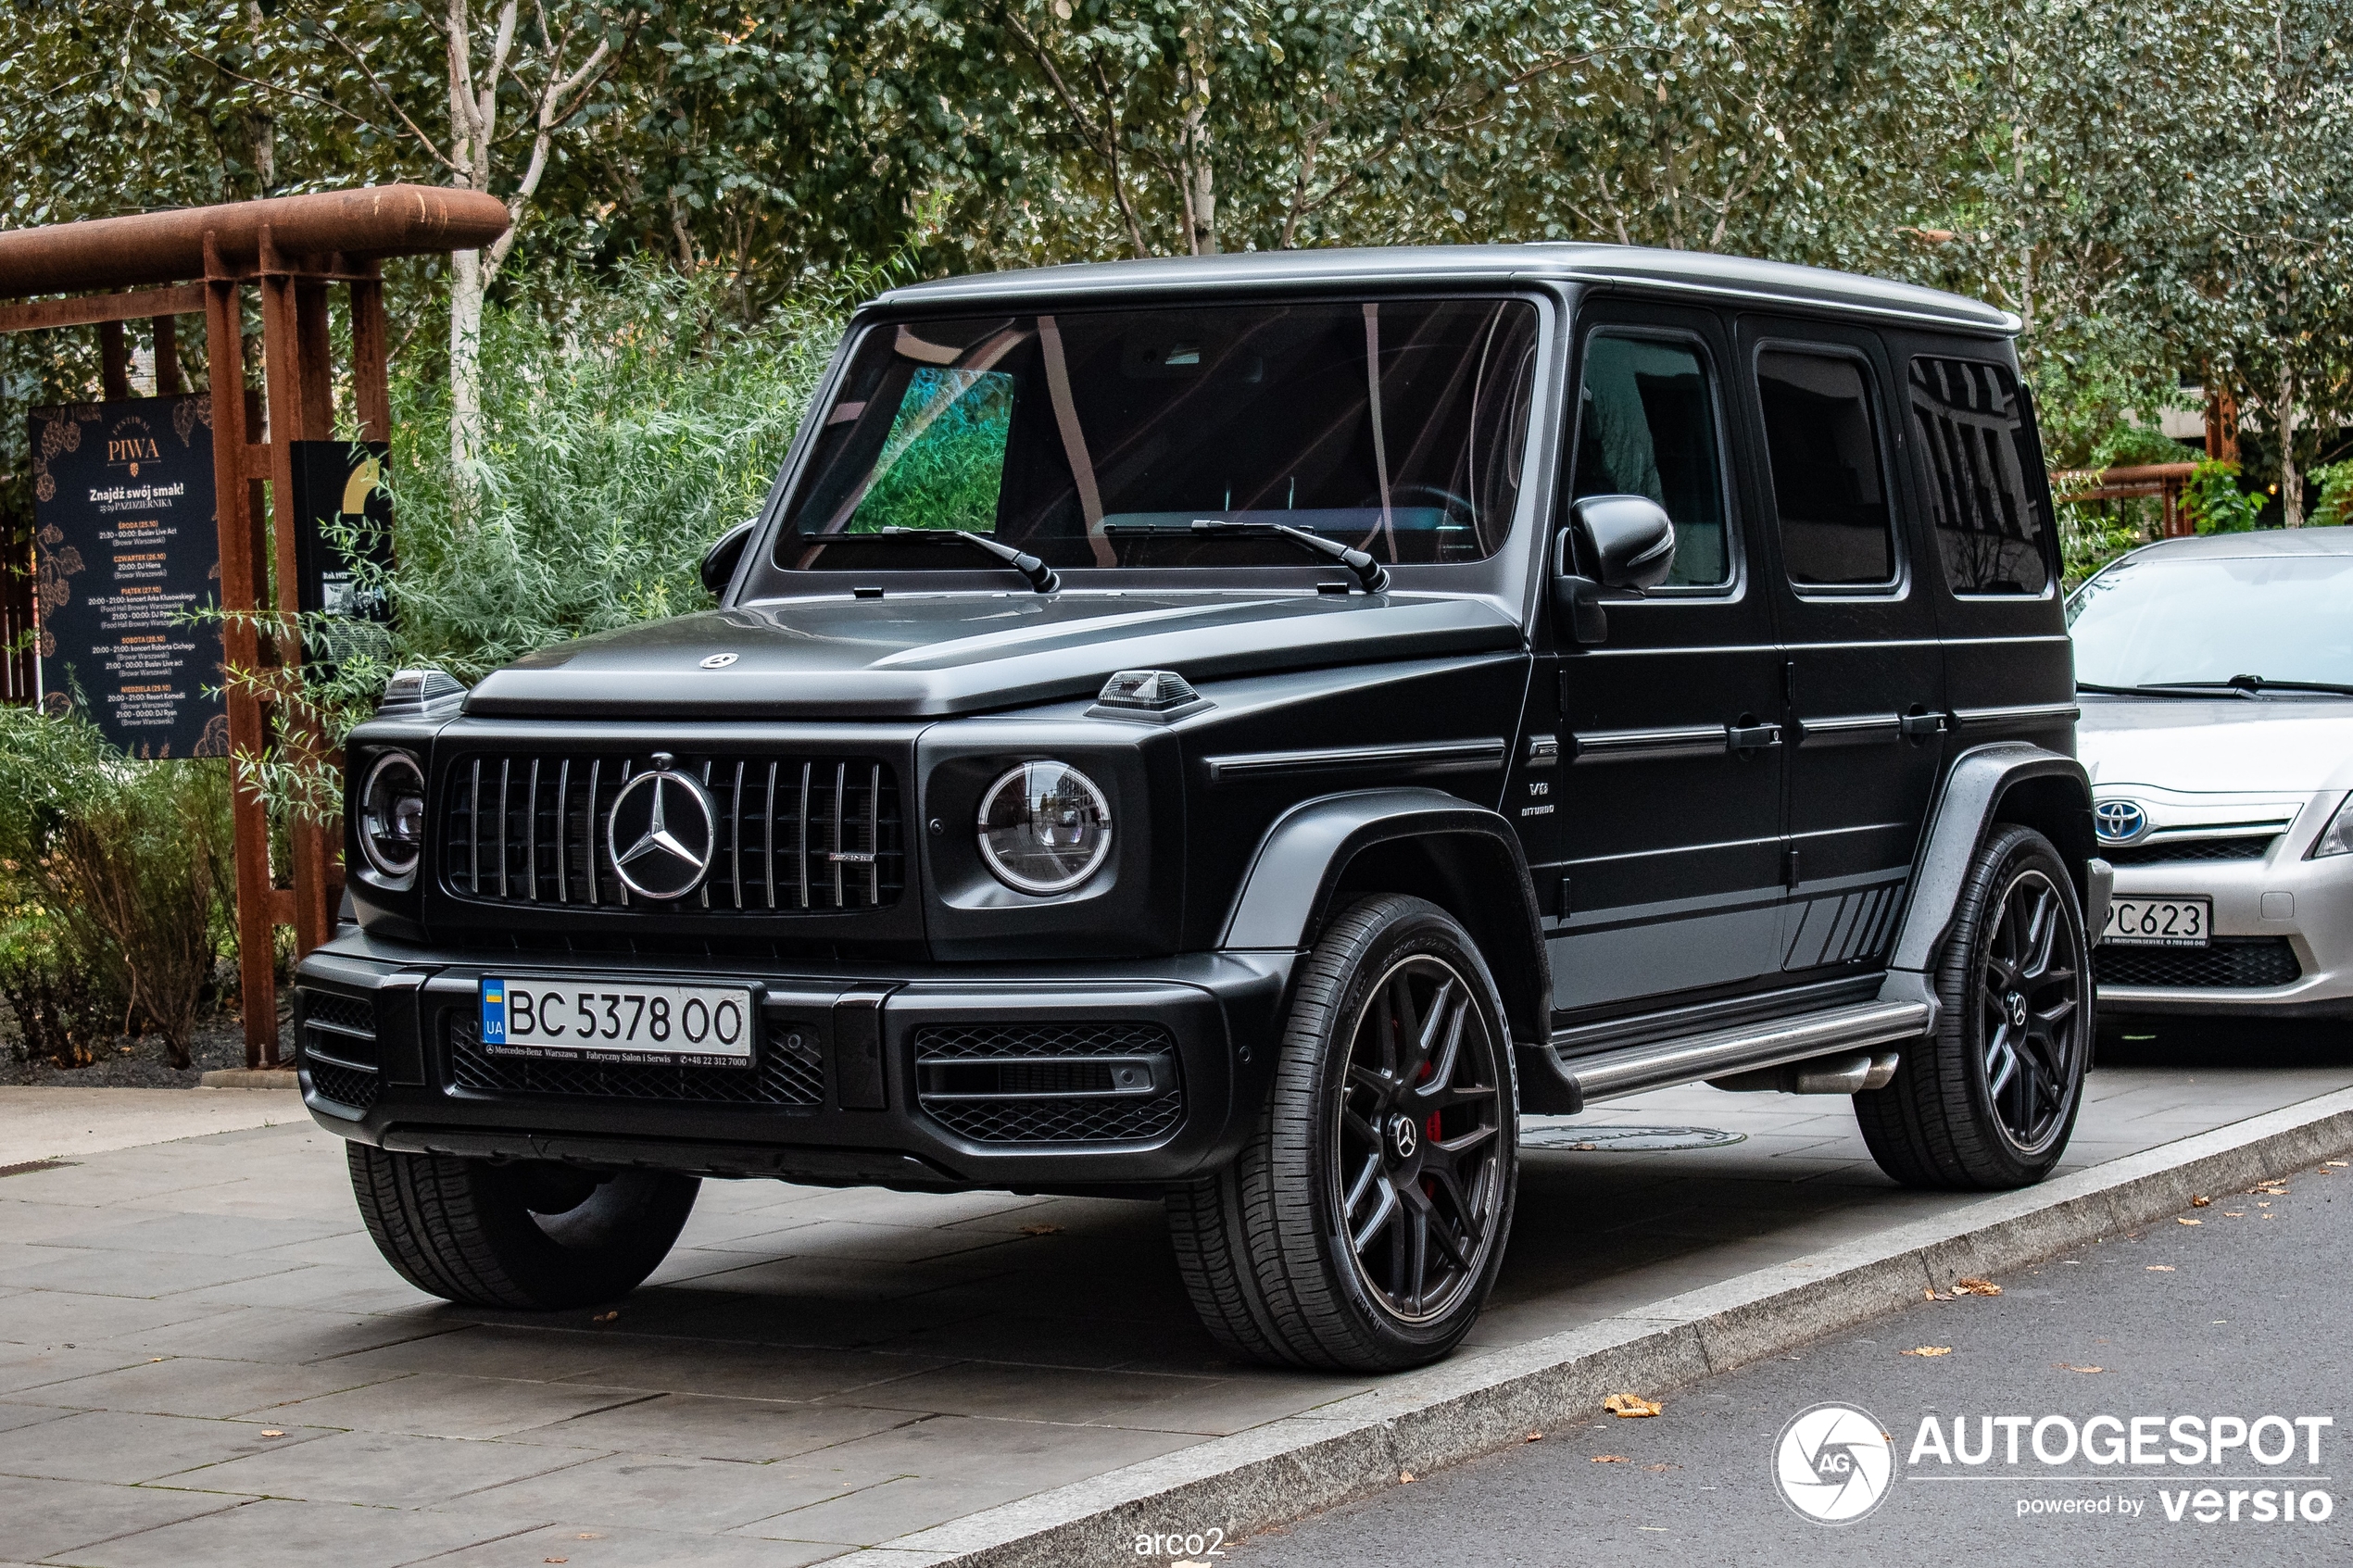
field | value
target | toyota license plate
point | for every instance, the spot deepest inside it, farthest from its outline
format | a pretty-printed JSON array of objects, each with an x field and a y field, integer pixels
[
  {"x": 569, "y": 1018},
  {"x": 2158, "y": 922}
]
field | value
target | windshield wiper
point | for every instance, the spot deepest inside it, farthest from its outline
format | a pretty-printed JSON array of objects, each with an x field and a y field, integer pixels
[
  {"x": 1368, "y": 572},
  {"x": 1041, "y": 576},
  {"x": 2239, "y": 685}
]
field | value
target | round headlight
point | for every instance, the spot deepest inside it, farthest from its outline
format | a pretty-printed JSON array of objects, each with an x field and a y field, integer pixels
[
  {"x": 392, "y": 814},
  {"x": 1044, "y": 827}
]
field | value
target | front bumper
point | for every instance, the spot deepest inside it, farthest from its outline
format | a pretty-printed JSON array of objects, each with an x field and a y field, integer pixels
[
  {"x": 2282, "y": 933},
  {"x": 389, "y": 1055}
]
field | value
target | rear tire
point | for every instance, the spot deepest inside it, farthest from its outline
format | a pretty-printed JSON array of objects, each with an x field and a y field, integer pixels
[
  {"x": 1988, "y": 1101},
  {"x": 527, "y": 1235},
  {"x": 1364, "y": 1223}
]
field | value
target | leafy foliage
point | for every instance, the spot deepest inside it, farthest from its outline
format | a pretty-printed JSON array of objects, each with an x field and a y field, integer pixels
[{"x": 2215, "y": 502}]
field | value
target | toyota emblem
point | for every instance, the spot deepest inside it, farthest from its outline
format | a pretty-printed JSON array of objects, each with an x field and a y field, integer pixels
[
  {"x": 663, "y": 832},
  {"x": 2118, "y": 821}
]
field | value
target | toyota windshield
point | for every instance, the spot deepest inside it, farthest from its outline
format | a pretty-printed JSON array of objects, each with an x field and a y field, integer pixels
[{"x": 1101, "y": 438}]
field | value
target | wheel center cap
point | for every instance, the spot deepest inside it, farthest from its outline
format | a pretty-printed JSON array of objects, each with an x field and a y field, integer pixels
[
  {"x": 2015, "y": 1005},
  {"x": 1404, "y": 1138}
]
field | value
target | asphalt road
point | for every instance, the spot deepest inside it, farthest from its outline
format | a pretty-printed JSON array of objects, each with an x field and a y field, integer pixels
[{"x": 2241, "y": 1316}]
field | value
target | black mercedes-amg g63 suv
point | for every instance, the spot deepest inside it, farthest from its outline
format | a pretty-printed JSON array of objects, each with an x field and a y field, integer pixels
[{"x": 1237, "y": 732}]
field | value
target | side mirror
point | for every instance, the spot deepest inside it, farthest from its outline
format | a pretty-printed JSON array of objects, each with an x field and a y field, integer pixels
[
  {"x": 1628, "y": 539},
  {"x": 719, "y": 562},
  {"x": 1629, "y": 542}
]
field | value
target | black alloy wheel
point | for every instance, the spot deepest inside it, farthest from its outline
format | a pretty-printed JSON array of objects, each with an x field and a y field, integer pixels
[
  {"x": 2032, "y": 1024},
  {"x": 1418, "y": 1144},
  {"x": 1988, "y": 1100},
  {"x": 1364, "y": 1222}
]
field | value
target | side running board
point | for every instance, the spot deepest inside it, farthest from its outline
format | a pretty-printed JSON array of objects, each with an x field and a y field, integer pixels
[{"x": 1661, "y": 1064}]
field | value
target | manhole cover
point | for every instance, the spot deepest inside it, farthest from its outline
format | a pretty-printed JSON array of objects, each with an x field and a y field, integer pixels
[{"x": 1621, "y": 1140}]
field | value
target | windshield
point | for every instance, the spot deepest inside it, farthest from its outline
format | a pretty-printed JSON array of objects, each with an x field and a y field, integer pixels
[
  {"x": 2149, "y": 622},
  {"x": 1099, "y": 438}
]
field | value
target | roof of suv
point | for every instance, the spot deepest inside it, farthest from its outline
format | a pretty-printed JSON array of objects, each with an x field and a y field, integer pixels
[
  {"x": 2262, "y": 542},
  {"x": 1680, "y": 271}
]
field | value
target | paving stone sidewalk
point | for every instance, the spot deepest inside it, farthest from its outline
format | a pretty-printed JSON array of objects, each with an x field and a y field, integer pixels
[{"x": 202, "y": 1358}]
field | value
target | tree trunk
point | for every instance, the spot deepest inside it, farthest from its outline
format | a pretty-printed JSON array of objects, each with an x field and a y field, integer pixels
[
  {"x": 2290, "y": 481},
  {"x": 465, "y": 374}
]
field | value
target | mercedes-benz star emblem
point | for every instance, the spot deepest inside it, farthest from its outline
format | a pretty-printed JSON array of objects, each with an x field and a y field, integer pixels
[
  {"x": 2118, "y": 821},
  {"x": 662, "y": 831}
]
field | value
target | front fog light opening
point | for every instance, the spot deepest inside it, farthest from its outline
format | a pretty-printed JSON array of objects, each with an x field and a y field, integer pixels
[
  {"x": 392, "y": 815},
  {"x": 1044, "y": 828}
]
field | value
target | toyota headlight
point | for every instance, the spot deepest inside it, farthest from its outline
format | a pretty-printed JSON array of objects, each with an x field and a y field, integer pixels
[
  {"x": 1044, "y": 827},
  {"x": 392, "y": 814},
  {"x": 2338, "y": 837}
]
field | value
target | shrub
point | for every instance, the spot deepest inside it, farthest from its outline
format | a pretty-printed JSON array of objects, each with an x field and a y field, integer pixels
[
  {"x": 2215, "y": 502},
  {"x": 115, "y": 879},
  {"x": 2334, "y": 486}
]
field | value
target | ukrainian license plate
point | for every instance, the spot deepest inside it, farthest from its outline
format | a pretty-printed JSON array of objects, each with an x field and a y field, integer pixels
[
  {"x": 579, "y": 1018},
  {"x": 2158, "y": 922}
]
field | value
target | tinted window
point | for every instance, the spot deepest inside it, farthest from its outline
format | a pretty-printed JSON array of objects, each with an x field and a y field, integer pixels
[
  {"x": 1098, "y": 438},
  {"x": 1828, "y": 486},
  {"x": 1989, "y": 523},
  {"x": 1646, "y": 426}
]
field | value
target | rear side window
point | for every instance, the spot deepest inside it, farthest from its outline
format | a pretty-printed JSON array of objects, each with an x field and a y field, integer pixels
[
  {"x": 1991, "y": 523},
  {"x": 1646, "y": 426},
  {"x": 1829, "y": 487}
]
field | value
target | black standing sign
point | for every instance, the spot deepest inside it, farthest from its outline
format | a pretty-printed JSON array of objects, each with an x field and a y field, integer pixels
[
  {"x": 128, "y": 547},
  {"x": 344, "y": 516}
]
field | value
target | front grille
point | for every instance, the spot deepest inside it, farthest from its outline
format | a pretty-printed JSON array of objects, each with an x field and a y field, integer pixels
[
  {"x": 789, "y": 1072},
  {"x": 2243, "y": 963},
  {"x": 1061, "y": 1083},
  {"x": 2171, "y": 851},
  {"x": 335, "y": 1043},
  {"x": 799, "y": 834}
]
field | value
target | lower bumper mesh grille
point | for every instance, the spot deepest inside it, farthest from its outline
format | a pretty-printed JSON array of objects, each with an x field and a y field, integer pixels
[
  {"x": 335, "y": 1044},
  {"x": 789, "y": 1072},
  {"x": 2245, "y": 963},
  {"x": 1040, "y": 1083}
]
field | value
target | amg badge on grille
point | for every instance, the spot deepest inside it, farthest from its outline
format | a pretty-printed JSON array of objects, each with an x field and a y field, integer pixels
[{"x": 663, "y": 832}]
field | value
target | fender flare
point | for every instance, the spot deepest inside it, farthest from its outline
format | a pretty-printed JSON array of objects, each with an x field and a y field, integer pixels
[
  {"x": 1293, "y": 876},
  {"x": 1976, "y": 789}
]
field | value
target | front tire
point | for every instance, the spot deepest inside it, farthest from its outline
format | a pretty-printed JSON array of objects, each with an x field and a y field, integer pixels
[
  {"x": 1364, "y": 1223},
  {"x": 1988, "y": 1101},
  {"x": 525, "y": 1236}
]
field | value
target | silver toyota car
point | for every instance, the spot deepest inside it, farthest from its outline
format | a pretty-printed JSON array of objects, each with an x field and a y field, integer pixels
[{"x": 2216, "y": 688}]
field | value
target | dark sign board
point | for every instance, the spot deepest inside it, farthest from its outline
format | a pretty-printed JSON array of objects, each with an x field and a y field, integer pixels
[
  {"x": 127, "y": 547},
  {"x": 338, "y": 489}
]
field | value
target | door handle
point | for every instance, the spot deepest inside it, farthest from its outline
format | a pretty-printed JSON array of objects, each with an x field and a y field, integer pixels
[
  {"x": 1920, "y": 726},
  {"x": 1752, "y": 737}
]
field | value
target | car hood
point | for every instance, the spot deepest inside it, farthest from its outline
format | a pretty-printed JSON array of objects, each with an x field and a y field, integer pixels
[
  {"x": 2226, "y": 745},
  {"x": 926, "y": 655}
]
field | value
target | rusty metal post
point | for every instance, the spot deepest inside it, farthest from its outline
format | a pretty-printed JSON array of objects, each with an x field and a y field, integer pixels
[{"x": 232, "y": 469}]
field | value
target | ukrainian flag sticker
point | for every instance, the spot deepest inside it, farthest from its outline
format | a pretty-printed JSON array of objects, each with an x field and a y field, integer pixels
[{"x": 494, "y": 1012}]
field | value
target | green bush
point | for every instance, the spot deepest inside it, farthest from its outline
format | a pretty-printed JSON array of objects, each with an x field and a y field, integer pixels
[
  {"x": 2334, "y": 485},
  {"x": 2215, "y": 502},
  {"x": 117, "y": 879}
]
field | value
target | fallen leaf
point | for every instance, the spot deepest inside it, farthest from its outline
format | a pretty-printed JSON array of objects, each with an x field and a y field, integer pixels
[
  {"x": 2234, "y": 1213},
  {"x": 2068, "y": 1368},
  {"x": 2159, "y": 1268},
  {"x": 587, "y": 1535},
  {"x": 1404, "y": 1478},
  {"x": 1041, "y": 1230},
  {"x": 1610, "y": 1458},
  {"x": 2186, "y": 1220},
  {"x": 271, "y": 1432},
  {"x": 2200, "y": 1202},
  {"x": 1628, "y": 1406},
  {"x": 2339, "y": 1164},
  {"x": 606, "y": 1317},
  {"x": 1976, "y": 1287},
  {"x": 1928, "y": 1295},
  {"x": 555, "y": 1559},
  {"x": 1929, "y": 1351},
  {"x": 2262, "y": 1206},
  {"x": 1658, "y": 1467},
  {"x": 1535, "y": 1436}
]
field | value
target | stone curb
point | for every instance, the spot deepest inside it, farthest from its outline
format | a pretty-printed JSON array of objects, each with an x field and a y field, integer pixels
[
  {"x": 1461, "y": 1409},
  {"x": 249, "y": 1078}
]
